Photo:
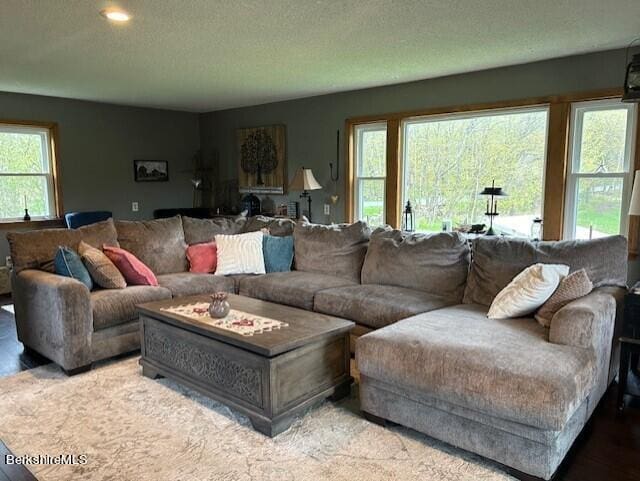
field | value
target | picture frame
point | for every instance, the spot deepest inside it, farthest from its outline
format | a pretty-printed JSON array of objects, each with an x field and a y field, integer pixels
[
  {"x": 261, "y": 157},
  {"x": 151, "y": 170}
]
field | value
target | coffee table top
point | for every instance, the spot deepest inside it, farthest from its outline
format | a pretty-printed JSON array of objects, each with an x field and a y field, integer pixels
[{"x": 304, "y": 327}]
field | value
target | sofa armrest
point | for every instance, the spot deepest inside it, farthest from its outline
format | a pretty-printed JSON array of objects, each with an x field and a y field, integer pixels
[
  {"x": 54, "y": 317},
  {"x": 586, "y": 322}
]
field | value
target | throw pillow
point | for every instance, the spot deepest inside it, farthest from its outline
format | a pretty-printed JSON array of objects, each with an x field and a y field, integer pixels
[
  {"x": 203, "y": 258},
  {"x": 278, "y": 253},
  {"x": 135, "y": 272},
  {"x": 68, "y": 263},
  {"x": 575, "y": 285},
  {"x": 102, "y": 270},
  {"x": 240, "y": 254},
  {"x": 527, "y": 291}
]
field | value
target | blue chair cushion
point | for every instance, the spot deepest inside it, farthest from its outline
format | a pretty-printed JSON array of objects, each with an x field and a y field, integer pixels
[
  {"x": 278, "y": 253},
  {"x": 69, "y": 264},
  {"x": 79, "y": 219}
]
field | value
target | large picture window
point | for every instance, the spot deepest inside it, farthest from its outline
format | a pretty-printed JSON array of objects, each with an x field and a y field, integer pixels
[
  {"x": 567, "y": 159},
  {"x": 370, "y": 172},
  {"x": 27, "y": 172},
  {"x": 449, "y": 159},
  {"x": 600, "y": 168}
]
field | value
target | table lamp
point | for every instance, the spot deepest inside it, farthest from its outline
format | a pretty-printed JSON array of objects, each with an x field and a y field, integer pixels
[
  {"x": 305, "y": 181},
  {"x": 634, "y": 205}
]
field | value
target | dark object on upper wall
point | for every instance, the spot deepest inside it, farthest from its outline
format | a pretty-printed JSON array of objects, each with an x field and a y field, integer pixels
[
  {"x": 251, "y": 204},
  {"x": 262, "y": 165},
  {"x": 632, "y": 81},
  {"x": 78, "y": 219},
  {"x": 151, "y": 170},
  {"x": 196, "y": 212}
]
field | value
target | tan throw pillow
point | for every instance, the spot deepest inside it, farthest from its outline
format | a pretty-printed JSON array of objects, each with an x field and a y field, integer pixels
[
  {"x": 575, "y": 285},
  {"x": 527, "y": 291},
  {"x": 102, "y": 270}
]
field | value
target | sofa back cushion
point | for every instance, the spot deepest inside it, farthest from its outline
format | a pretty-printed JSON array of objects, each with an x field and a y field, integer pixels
[
  {"x": 197, "y": 231},
  {"x": 277, "y": 226},
  {"x": 157, "y": 243},
  {"x": 497, "y": 260},
  {"x": 36, "y": 249},
  {"x": 335, "y": 250},
  {"x": 433, "y": 263}
]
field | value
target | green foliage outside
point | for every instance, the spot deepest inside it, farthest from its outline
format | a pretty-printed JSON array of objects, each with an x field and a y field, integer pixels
[
  {"x": 448, "y": 162},
  {"x": 21, "y": 154}
]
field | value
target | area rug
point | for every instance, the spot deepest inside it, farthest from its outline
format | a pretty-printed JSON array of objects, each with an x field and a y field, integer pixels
[{"x": 131, "y": 428}]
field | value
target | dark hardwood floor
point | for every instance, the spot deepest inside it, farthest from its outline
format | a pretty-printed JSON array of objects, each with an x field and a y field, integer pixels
[
  {"x": 608, "y": 449},
  {"x": 12, "y": 472}
]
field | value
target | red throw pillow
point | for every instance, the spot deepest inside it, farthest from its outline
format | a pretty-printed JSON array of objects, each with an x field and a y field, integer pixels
[
  {"x": 203, "y": 258},
  {"x": 132, "y": 269}
]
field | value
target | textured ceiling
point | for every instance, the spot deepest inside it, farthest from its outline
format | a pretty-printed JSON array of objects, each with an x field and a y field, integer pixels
[{"x": 203, "y": 55}]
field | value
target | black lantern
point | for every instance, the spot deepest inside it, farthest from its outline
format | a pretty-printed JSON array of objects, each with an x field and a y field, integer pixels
[
  {"x": 632, "y": 81},
  {"x": 492, "y": 205},
  {"x": 408, "y": 224}
]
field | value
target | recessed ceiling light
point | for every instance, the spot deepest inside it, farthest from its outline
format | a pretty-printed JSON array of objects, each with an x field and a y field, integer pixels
[{"x": 115, "y": 15}]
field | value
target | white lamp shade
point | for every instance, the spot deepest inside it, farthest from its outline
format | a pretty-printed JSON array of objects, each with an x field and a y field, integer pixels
[
  {"x": 634, "y": 206},
  {"x": 304, "y": 180}
]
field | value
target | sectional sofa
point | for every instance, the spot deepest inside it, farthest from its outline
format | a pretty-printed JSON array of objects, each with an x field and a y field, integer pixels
[{"x": 429, "y": 358}]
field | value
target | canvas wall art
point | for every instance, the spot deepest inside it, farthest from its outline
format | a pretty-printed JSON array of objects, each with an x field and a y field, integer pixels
[{"x": 261, "y": 155}]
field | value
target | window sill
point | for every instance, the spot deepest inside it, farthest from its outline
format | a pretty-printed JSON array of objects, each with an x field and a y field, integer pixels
[{"x": 36, "y": 223}]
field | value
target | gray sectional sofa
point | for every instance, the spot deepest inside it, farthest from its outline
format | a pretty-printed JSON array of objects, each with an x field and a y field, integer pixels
[{"x": 429, "y": 358}]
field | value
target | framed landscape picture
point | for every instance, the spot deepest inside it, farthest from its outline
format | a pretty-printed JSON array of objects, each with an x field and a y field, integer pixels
[
  {"x": 151, "y": 170},
  {"x": 262, "y": 167}
]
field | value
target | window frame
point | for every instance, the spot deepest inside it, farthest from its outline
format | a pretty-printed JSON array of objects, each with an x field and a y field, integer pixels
[
  {"x": 475, "y": 114},
  {"x": 54, "y": 200},
  {"x": 576, "y": 122},
  {"x": 358, "y": 179},
  {"x": 555, "y": 168}
]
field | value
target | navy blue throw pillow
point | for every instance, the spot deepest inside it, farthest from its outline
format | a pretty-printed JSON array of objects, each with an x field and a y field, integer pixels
[
  {"x": 69, "y": 264},
  {"x": 278, "y": 253}
]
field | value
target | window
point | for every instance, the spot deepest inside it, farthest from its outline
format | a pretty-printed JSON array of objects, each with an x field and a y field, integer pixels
[
  {"x": 370, "y": 172},
  {"x": 27, "y": 174},
  {"x": 600, "y": 166},
  {"x": 448, "y": 159}
]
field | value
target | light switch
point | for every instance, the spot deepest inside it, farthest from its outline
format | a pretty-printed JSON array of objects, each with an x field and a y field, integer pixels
[{"x": 134, "y": 207}]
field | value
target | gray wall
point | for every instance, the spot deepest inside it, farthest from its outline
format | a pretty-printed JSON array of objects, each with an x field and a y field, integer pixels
[
  {"x": 97, "y": 146},
  {"x": 312, "y": 122}
]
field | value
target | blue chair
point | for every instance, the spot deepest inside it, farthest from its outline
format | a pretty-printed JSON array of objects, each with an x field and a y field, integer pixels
[{"x": 78, "y": 219}]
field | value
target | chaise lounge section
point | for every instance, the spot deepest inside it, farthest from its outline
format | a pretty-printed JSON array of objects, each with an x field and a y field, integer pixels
[{"x": 510, "y": 390}]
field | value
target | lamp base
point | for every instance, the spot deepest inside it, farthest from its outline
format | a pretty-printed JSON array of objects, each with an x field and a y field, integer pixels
[{"x": 307, "y": 195}]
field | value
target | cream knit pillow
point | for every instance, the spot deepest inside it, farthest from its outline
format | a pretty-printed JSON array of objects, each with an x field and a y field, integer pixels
[
  {"x": 527, "y": 291},
  {"x": 240, "y": 254},
  {"x": 575, "y": 285}
]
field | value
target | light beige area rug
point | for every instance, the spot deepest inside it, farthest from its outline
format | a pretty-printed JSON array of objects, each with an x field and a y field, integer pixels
[{"x": 135, "y": 429}]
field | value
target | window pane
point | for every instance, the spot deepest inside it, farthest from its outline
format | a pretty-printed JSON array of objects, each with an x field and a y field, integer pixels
[
  {"x": 449, "y": 161},
  {"x": 604, "y": 134},
  {"x": 598, "y": 207},
  {"x": 372, "y": 157},
  {"x": 12, "y": 196},
  {"x": 371, "y": 201},
  {"x": 21, "y": 153}
]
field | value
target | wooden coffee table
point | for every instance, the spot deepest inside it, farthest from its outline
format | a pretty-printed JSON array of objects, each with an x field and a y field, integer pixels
[{"x": 271, "y": 376}]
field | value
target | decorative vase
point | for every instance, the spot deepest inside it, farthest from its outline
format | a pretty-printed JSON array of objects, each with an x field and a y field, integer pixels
[{"x": 219, "y": 306}]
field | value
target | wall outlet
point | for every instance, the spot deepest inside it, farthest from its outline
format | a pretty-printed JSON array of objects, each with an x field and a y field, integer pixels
[
  {"x": 327, "y": 209},
  {"x": 8, "y": 261},
  {"x": 134, "y": 207}
]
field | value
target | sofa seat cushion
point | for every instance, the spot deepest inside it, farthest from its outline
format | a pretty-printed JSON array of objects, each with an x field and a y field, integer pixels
[
  {"x": 194, "y": 283},
  {"x": 293, "y": 288},
  {"x": 376, "y": 306},
  {"x": 504, "y": 368},
  {"x": 112, "y": 307}
]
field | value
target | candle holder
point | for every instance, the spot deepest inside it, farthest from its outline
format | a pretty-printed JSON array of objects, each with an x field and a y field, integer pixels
[{"x": 492, "y": 203}]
